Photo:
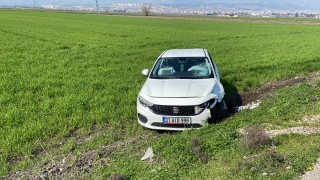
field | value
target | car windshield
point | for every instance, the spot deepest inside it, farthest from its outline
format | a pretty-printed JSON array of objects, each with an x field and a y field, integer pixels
[{"x": 182, "y": 68}]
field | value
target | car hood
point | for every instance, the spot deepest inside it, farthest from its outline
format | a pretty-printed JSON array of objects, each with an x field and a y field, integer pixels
[{"x": 179, "y": 88}]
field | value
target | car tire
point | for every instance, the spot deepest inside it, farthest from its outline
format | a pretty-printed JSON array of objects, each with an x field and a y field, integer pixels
[{"x": 219, "y": 112}]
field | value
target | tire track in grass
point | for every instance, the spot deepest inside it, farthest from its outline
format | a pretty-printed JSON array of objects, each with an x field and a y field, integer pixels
[{"x": 271, "y": 87}]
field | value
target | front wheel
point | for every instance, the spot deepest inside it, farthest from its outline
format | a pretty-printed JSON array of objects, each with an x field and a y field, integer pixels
[{"x": 219, "y": 112}]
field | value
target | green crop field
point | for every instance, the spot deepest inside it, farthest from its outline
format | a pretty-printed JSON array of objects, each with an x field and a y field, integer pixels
[{"x": 69, "y": 83}]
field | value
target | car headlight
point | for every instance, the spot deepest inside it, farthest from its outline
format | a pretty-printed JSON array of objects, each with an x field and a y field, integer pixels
[
  {"x": 199, "y": 108},
  {"x": 144, "y": 102}
]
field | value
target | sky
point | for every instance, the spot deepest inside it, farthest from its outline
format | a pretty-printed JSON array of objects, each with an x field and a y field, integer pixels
[{"x": 309, "y": 4}]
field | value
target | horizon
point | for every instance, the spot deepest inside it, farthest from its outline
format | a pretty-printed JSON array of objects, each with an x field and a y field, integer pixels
[{"x": 274, "y": 4}]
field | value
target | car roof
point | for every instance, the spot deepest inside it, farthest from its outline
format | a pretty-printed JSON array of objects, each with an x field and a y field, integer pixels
[{"x": 184, "y": 53}]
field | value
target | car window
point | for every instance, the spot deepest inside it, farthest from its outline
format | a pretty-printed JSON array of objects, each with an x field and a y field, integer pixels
[{"x": 184, "y": 68}]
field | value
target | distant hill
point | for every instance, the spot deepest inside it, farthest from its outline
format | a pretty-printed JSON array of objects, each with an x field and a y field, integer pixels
[
  {"x": 272, "y": 4},
  {"x": 284, "y": 5},
  {"x": 263, "y": 5}
]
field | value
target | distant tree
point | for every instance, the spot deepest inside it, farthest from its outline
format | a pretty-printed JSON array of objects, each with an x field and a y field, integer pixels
[
  {"x": 106, "y": 10},
  {"x": 296, "y": 15},
  {"x": 146, "y": 9}
]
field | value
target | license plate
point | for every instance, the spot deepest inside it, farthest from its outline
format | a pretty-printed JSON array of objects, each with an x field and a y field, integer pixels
[{"x": 176, "y": 120}]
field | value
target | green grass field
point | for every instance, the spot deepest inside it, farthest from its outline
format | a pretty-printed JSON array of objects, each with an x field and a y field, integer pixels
[{"x": 64, "y": 73}]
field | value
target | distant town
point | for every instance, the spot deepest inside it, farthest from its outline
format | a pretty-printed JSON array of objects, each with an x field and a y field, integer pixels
[{"x": 179, "y": 10}]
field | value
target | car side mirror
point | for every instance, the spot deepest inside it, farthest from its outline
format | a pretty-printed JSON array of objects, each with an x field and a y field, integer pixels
[{"x": 145, "y": 72}]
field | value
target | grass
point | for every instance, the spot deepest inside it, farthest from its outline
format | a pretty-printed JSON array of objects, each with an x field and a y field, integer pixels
[{"x": 63, "y": 74}]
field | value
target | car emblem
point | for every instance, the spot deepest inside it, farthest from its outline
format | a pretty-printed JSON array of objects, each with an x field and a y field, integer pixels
[{"x": 175, "y": 110}]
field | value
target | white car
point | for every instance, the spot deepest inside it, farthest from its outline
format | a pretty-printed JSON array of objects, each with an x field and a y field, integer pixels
[{"x": 182, "y": 91}]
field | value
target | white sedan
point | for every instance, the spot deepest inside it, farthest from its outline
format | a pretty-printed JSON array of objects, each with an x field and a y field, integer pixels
[{"x": 182, "y": 91}]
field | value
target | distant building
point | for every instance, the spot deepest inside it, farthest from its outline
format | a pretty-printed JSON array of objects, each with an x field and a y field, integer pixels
[{"x": 119, "y": 10}]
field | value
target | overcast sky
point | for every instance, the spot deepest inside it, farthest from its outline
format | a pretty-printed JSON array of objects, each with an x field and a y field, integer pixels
[{"x": 315, "y": 4}]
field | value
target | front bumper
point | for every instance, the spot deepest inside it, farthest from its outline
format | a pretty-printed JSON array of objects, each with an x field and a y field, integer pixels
[{"x": 150, "y": 120}]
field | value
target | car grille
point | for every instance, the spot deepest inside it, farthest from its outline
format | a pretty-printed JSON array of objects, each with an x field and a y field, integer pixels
[{"x": 168, "y": 110}]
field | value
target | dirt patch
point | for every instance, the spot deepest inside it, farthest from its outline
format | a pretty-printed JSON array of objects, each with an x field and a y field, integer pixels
[
  {"x": 311, "y": 119},
  {"x": 303, "y": 130},
  {"x": 269, "y": 88},
  {"x": 72, "y": 167},
  {"x": 295, "y": 130},
  {"x": 314, "y": 173}
]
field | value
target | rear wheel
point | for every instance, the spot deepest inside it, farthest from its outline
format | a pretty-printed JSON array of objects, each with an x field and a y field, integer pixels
[{"x": 219, "y": 112}]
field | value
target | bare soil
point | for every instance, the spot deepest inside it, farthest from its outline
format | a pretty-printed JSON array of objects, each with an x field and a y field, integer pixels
[
  {"x": 72, "y": 166},
  {"x": 314, "y": 173}
]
